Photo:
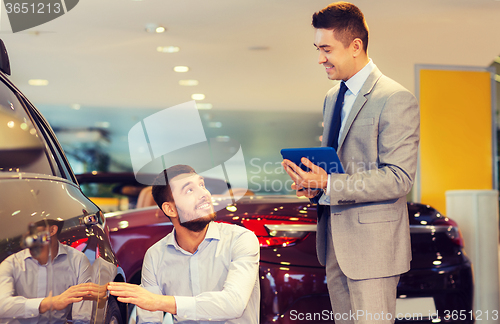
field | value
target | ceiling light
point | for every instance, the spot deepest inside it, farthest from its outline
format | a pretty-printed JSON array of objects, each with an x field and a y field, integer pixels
[
  {"x": 188, "y": 82},
  {"x": 181, "y": 68},
  {"x": 38, "y": 82},
  {"x": 258, "y": 48},
  {"x": 198, "y": 96},
  {"x": 168, "y": 49},
  {"x": 155, "y": 28},
  {"x": 223, "y": 139},
  {"x": 215, "y": 124},
  {"x": 203, "y": 106},
  {"x": 102, "y": 124},
  {"x": 75, "y": 106}
]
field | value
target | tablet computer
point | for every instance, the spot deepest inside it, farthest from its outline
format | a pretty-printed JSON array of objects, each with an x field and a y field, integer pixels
[{"x": 324, "y": 157}]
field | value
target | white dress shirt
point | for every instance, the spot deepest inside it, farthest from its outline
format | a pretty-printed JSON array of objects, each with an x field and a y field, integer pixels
[
  {"x": 354, "y": 85},
  {"x": 24, "y": 284},
  {"x": 217, "y": 283}
]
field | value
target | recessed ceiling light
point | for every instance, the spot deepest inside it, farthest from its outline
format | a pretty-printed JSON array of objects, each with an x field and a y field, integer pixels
[
  {"x": 168, "y": 49},
  {"x": 223, "y": 139},
  {"x": 181, "y": 68},
  {"x": 38, "y": 82},
  {"x": 102, "y": 124},
  {"x": 155, "y": 28},
  {"x": 203, "y": 106},
  {"x": 198, "y": 96},
  {"x": 258, "y": 48},
  {"x": 188, "y": 82},
  {"x": 215, "y": 124}
]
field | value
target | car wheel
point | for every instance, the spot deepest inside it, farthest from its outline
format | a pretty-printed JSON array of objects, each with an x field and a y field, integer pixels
[{"x": 113, "y": 315}]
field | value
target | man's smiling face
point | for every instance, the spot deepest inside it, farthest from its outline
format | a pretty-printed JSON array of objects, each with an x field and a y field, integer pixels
[
  {"x": 337, "y": 59},
  {"x": 192, "y": 200}
]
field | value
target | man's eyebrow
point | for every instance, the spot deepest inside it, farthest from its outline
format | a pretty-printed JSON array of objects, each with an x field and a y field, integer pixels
[
  {"x": 186, "y": 184},
  {"x": 190, "y": 182},
  {"x": 322, "y": 46}
]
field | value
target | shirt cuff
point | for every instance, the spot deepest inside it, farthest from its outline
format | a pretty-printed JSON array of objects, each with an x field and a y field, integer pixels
[
  {"x": 327, "y": 191},
  {"x": 32, "y": 307},
  {"x": 325, "y": 197},
  {"x": 186, "y": 307}
]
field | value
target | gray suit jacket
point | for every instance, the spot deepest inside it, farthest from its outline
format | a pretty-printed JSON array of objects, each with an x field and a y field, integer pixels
[{"x": 378, "y": 150}]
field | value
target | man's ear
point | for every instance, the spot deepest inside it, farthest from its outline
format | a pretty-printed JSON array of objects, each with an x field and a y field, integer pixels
[
  {"x": 53, "y": 230},
  {"x": 169, "y": 209},
  {"x": 357, "y": 47}
]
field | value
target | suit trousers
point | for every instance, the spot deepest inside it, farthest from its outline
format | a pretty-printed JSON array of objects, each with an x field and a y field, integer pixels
[{"x": 358, "y": 301}]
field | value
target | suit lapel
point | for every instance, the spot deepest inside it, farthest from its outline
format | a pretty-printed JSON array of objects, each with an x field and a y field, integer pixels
[
  {"x": 328, "y": 115},
  {"x": 360, "y": 102}
]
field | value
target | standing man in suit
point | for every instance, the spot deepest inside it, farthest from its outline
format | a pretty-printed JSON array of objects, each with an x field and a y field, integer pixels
[{"x": 363, "y": 234}]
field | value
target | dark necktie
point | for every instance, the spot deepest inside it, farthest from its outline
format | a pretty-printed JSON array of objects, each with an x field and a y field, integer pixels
[{"x": 333, "y": 138}]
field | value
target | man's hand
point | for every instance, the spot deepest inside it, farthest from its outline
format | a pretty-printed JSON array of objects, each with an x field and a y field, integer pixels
[
  {"x": 316, "y": 179},
  {"x": 302, "y": 192},
  {"x": 96, "y": 292},
  {"x": 73, "y": 294},
  {"x": 137, "y": 295}
]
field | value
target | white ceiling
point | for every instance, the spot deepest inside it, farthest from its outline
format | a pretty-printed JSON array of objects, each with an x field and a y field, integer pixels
[{"x": 99, "y": 54}]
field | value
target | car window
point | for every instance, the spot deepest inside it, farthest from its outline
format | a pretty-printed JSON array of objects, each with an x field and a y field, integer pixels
[
  {"x": 10, "y": 104},
  {"x": 62, "y": 168}
]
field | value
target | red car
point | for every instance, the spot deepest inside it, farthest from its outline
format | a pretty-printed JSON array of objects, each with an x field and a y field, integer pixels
[{"x": 293, "y": 283}]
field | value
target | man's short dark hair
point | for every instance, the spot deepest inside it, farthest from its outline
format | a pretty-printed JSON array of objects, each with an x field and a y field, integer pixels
[
  {"x": 346, "y": 20},
  {"x": 50, "y": 222},
  {"x": 162, "y": 192}
]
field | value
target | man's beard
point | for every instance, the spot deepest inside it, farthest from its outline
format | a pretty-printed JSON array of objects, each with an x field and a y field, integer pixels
[{"x": 199, "y": 224}]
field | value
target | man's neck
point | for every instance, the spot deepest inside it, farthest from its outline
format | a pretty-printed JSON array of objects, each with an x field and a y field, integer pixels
[
  {"x": 43, "y": 258},
  {"x": 359, "y": 64},
  {"x": 189, "y": 240}
]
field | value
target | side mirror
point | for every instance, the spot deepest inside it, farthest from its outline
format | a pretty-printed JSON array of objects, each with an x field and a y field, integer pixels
[
  {"x": 19, "y": 144},
  {"x": 4, "y": 59}
]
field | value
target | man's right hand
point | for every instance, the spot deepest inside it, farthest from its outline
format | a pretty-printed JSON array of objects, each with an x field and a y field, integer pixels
[
  {"x": 303, "y": 192},
  {"x": 73, "y": 294},
  {"x": 137, "y": 295}
]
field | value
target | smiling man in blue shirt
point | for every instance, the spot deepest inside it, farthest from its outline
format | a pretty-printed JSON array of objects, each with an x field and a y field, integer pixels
[{"x": 202, "y": 270}]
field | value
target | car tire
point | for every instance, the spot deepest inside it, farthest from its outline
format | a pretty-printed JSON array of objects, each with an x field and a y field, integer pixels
[{"x": 113, "y": 315}]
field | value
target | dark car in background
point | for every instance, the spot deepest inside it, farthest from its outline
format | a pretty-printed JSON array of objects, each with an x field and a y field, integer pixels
[
  {"x": 37, "y": 189},
  {"x": 293, "y": 283}
]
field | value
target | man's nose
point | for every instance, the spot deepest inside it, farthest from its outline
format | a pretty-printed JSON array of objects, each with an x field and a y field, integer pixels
[
  {"x": 203, "y": 192},
  {"x": 322, "y": 58}
]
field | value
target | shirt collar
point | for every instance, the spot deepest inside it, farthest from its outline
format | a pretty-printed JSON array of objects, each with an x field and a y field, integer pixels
[
  {"x": 60, "y": 251},
  {"x": 212, "y": 233},
  {"x": 355, "y": 83}
]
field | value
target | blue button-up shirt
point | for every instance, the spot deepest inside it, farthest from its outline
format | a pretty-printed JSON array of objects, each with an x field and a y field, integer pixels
[
  {"x": 24, "y": 283},
  {"x": 217, "y": 283},
  {"x": 354, "y": 85}
]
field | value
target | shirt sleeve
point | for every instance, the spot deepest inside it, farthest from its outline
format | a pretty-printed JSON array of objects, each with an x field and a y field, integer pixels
[
  {"x": 10, "y": 305},
  {"x": 150, "y": 283},
  {"x": 230, "y": 303},
  {"x": 325, "y": 196}
]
